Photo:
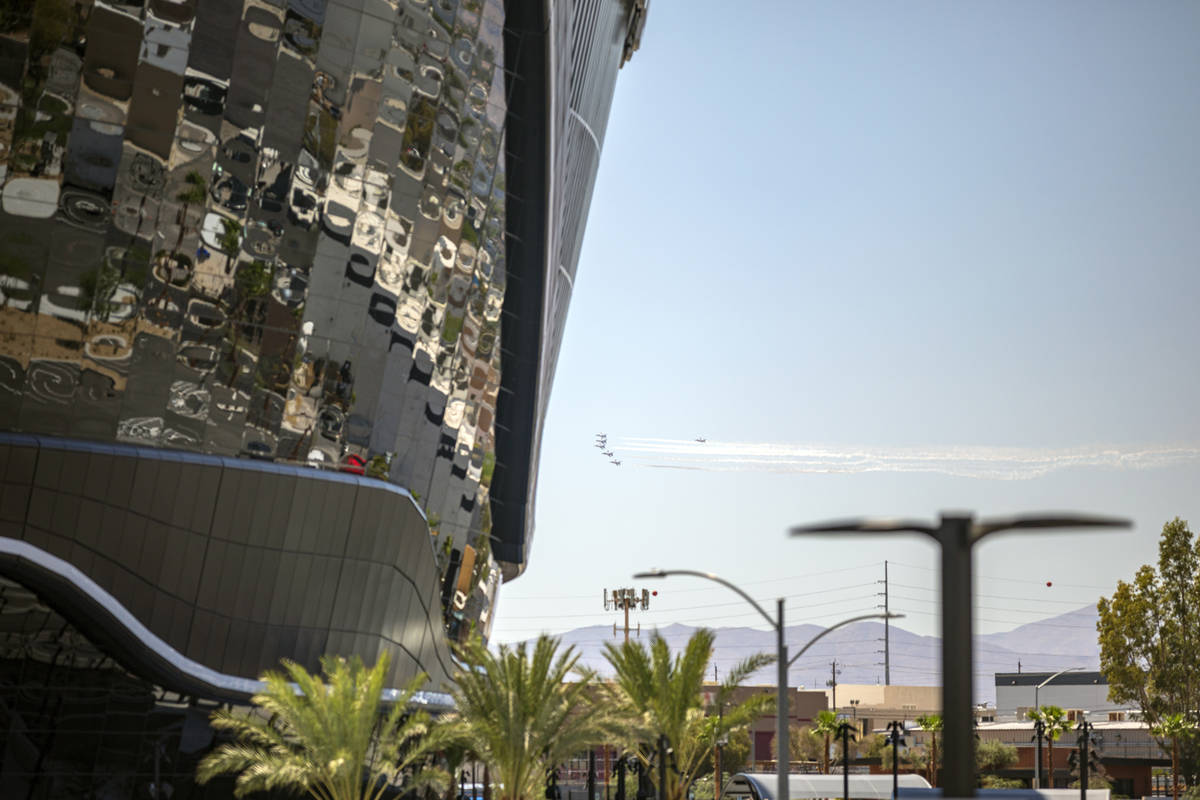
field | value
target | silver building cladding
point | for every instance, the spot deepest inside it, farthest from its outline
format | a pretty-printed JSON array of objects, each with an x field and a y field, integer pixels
[
  {"x": 282, "y": 286},
  {"x": 566, "y": 56}
]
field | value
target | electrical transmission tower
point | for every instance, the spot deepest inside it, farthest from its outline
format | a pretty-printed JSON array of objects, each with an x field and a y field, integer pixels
[{"x": 887, "y": 632}]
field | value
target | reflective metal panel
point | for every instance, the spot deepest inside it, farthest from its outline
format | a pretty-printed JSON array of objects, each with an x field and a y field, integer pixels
[{"x": 266, "y": 228}]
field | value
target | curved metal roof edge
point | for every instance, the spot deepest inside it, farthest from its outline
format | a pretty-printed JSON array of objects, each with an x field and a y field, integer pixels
[{"x": 168, "y": 661}]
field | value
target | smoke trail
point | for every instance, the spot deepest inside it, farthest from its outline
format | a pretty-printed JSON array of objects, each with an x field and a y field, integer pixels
[{"x": 998, "y": 463}]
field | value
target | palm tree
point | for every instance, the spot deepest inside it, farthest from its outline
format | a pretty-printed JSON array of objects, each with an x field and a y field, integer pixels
[
  {"x": 723, "y": 725},
  {"x": 519, "y": 712},
  {"x": 1055, "y": 723},
  {"x": 663, "y": 695},
  {"x": 330, "y": 739},
  {"x": 251, "y": 282},
  {"x": 933, "y": 724},
  {"x": 826, "y": 724},
  {"x": 1174, "y": 727},
  {"x": 194, "y": 193}
]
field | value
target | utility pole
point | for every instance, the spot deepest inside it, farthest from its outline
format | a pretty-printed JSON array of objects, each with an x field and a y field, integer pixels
[
  {"x": 624, "y": 600},
  {"x": 833, "y": 684},
  {"x": 887, "y": 631}
]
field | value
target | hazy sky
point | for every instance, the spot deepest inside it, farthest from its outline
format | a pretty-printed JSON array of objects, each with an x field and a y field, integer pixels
[{"x": 889, "y": 259}]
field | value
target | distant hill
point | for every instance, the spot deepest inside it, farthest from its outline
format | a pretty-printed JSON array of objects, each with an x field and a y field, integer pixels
[{"x": 1066, "y": 640}]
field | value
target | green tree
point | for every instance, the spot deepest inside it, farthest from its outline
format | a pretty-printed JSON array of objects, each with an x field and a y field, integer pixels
[
  {"x": 915, "y": 759},
  {"x": 231, "y": 237},
  {"x": 1054, "y": 720},
  {"x": 251, "y": 282},
  {"x": 96, "y": 290},
  {"x": 520, "y": 712},
  {"x": 1150, "y": 639},
  {"x": 933, "y": 724},
  {"x": 1097, "y": 775},
  {"x": 735, "y": 755},
  {"x": 702, "y": 788},
  {"x": 805, "y": 744},
  {"x": 194, "y": 192},
  {"x": 873, "y": 745},
  {"x": 330, "y": 739},
  {"x": 994, "y": 782},
  {"x": 1174, "y": 728},
  {"x": 825, "y": 725},
  {"x": 663, "y": 694},
  {"x": 992, "y": 756}
]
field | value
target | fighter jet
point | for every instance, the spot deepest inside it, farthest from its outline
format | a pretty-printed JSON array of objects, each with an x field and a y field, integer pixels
[
  {"x": 608, "y": 453},
  {"x": 618, "y": 463},
  {"x": 701, "y": 439},
  {"x": 601, "y": 445}
]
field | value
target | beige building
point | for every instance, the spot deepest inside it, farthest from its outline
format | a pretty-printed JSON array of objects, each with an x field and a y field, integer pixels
[{"x": 872, "y": 706}]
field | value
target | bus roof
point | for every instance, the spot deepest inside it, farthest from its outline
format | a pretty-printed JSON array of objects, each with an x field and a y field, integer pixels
[{"x": 761, "y": 785}]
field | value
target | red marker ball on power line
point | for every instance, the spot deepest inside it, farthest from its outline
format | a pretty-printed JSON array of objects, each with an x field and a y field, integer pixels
[
  {"x": 655, "y": 593},
  {"x": 1048, "y": 583}
]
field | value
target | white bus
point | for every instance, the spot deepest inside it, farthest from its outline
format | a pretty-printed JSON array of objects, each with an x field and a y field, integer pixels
[{"x": 761, "y": 786}]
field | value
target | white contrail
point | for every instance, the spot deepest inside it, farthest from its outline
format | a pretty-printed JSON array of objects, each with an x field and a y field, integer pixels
[{"x": 999, "y": 463}]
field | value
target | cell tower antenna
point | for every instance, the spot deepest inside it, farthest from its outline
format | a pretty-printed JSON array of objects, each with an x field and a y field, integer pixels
[{"x": 627, "y": 599}]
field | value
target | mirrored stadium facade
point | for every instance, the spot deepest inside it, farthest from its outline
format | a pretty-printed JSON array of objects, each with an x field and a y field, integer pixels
[{"x": 282, "y": 284}]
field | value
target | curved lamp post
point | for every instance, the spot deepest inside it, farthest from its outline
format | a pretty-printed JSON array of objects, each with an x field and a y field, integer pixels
[
  {"x": 781, "y": 660},
  {"x": 1037, "y": 762},
  {"x": 957, "y": 533}
]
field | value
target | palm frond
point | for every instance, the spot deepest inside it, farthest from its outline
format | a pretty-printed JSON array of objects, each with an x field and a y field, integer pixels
[
  {"x": 328, "y": 737},
  {"x": 518, "y": 710}
]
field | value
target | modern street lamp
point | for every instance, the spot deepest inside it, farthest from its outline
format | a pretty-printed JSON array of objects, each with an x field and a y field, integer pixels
[
  {"x": 1039, "y": 727},
  {"x": 957, "y": 533},
  {"x": 895, "y": 732},
  {"x": 782, "y": 762},
  {"x": 844, "y": 732}
]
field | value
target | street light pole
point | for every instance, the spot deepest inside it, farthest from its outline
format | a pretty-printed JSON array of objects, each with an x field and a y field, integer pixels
[
  {"x": 844, "y": 731},
  {"x": 957, "y": 535},
  {"x": 781, "y": 698},
  {"x": 1040, "y": 727},
  {"x": 782, "y": 762},
  {"x": 783, "y": 752},
  {"x": 1039, "y": 730}
]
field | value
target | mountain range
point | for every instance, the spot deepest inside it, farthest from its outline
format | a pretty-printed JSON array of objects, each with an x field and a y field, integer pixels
[{"x": 1066, "y": 640}]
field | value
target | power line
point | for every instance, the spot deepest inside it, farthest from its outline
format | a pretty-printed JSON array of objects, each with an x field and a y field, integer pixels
[
  {"x": 1003, "y": 609},
  {"x": 708, "y": 589},
  {"x": 702, "y": 620},
  {"x": 1011, "y": 622},
  {"x": 750, "y": 612},
  {"x": 997, "y": 596},
  {"x": 1012, "y": 580}
]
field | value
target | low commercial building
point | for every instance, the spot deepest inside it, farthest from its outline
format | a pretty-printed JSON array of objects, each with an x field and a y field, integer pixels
[
  {"x": 1018, "y": 692},
  {"x": 871, "y": 706},
  {"x": 1127, "y": 751}
]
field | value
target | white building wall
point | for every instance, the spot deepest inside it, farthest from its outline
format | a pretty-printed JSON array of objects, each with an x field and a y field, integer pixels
[{"x": 1089, "y": 697}]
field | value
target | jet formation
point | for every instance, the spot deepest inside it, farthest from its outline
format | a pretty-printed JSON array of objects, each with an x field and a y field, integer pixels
[{"x": 602, "y": 443}]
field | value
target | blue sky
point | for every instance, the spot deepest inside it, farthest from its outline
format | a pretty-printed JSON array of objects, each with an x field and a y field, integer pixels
[{"x": 891, "y": 229}]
